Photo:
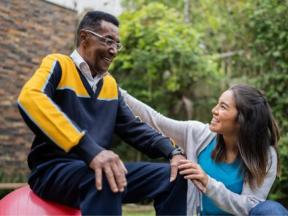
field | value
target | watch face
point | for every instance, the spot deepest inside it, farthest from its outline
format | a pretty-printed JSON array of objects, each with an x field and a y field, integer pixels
[{"x": 177, "y": 151}]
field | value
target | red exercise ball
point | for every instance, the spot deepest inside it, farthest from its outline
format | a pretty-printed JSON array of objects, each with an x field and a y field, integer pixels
[{"x": 24, "y": 202}]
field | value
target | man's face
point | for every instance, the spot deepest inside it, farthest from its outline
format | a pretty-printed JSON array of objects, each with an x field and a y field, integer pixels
[{"x": 96, "y": 52}]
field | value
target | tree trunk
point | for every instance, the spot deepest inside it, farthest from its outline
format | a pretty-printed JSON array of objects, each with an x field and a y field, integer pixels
[{"x": 187, "y": 11}]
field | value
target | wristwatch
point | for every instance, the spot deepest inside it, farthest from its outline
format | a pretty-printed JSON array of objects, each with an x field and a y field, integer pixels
[{"x": 177, "y": 151}]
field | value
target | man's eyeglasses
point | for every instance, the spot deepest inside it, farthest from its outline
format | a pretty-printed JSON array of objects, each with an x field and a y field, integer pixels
[{"x": 108, "y": 41}]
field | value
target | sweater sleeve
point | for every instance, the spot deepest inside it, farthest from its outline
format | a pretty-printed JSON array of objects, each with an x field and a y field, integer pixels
[
  {"x": 241, "y": 204},
  {"x": 44, "y": 116},
  {"x": 176, "y": 130}
]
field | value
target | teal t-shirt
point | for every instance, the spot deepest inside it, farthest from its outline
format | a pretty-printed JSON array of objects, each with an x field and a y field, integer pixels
[{"x": 227, "y": 173}]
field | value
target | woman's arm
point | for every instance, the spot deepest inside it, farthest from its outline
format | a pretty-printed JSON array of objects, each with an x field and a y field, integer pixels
[
  {"x": 236, "y": 204},
  {"x": 176, "y": 130}
]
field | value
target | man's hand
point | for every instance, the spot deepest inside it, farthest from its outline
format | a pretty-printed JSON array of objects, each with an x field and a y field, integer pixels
[
  {"x": 109, "y": 163},
  {"x": 174, "y": 162},
  {"x": 194, "y": 172}
]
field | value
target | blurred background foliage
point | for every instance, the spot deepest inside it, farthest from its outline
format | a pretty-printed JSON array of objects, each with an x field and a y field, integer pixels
[{"x": 180, "y": 55}]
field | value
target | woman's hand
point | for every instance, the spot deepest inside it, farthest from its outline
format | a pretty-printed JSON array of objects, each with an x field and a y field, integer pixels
[{"x": 195, "y": 173}]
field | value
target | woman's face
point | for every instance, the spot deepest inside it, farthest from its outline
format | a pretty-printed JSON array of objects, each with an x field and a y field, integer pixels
[{"x": 224, "y": 115}]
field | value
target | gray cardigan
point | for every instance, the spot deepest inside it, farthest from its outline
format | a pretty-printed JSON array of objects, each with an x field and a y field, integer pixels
[{"x": 193, "y": 137}]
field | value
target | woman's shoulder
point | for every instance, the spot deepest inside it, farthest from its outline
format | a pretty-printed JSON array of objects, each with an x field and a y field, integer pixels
[
  {"x": 272, "y": 157},
  {"x": 272, "y": 151}
]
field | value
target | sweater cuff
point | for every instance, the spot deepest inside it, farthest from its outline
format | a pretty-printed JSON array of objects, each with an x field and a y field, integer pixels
[
  {"x": 165, "y": 147},
  {"x": 211, "y": 186},
  {"x": 87, "y": 148}
]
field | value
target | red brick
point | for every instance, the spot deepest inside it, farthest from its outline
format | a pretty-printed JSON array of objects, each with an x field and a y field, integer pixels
[{"x": 30, "y": 30}]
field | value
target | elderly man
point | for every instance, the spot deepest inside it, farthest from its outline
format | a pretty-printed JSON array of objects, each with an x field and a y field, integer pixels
[{"x": 73, "y": 106}]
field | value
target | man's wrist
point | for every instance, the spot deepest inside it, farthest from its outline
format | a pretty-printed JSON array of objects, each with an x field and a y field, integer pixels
[{"x": 177, "y": 151}]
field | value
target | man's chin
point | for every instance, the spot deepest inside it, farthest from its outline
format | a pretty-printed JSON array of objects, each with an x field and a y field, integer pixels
[{"x": 102, "y": 70}]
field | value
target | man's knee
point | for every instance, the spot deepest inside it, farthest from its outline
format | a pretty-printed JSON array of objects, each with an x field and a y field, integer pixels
[{"x": 165, "y": 172}]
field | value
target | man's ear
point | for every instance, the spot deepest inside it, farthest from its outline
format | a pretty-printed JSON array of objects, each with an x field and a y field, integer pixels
[{"x": 84, "y": 36}]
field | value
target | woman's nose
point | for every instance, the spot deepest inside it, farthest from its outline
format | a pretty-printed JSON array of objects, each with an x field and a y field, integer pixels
[{"x": 214, "y": 110}]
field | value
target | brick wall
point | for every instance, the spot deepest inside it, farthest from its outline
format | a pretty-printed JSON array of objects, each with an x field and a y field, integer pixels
[{"x": 29, "y": 30}]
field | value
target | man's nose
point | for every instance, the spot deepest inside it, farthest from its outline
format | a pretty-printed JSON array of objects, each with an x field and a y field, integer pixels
[{"x": 113, "y": 50}]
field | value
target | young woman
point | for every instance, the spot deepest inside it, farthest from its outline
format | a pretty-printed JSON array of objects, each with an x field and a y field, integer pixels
[{"x": 232, "y": 161}]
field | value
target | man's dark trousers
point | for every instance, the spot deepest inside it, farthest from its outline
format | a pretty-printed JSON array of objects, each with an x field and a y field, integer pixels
[{"x": 72, "y": 182}]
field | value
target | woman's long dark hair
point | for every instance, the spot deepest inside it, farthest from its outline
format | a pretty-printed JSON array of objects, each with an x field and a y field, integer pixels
[{"x": 257, "y": 132}]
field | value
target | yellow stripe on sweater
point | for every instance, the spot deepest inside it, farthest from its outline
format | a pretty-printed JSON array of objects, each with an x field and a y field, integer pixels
[
  {"x": 43, "y": 111},
  {"x": 109, "y": 89}
]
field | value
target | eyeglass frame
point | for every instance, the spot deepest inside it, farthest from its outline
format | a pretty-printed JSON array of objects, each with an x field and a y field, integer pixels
[{"x": 108, "y": 41}]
